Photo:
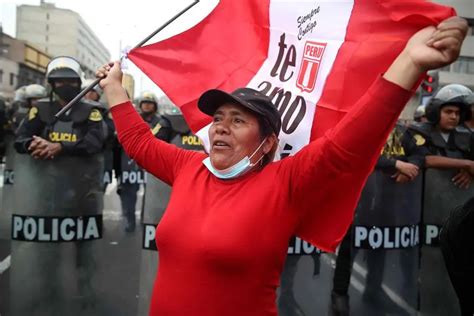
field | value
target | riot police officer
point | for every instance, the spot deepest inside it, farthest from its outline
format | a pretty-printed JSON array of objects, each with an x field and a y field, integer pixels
[
  {"x": 32, "y": 93},
  {"x": 449, "y": 146},
  {"x": 17, "y": 110},
  {"x": 78, "y": 132},
  {"x": 60, "y": 194},
  {"x": 420, "y": 114},
  {"x": 130, "y": 175}
]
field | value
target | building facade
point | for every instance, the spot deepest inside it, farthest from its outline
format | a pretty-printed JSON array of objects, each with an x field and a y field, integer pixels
[
  {"x": 61, "y": 32},
  {"x": 21, "y": 64}
]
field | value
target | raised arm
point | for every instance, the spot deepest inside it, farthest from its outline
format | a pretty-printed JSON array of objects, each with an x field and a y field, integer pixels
[
  {"x": 328, "y": 175},
  {"x": 430, "y": 48},
  {"x": 157, "y": 157}
]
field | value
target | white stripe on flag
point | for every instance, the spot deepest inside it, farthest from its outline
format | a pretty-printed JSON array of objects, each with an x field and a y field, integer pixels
[{"x": 321, "y": 28}]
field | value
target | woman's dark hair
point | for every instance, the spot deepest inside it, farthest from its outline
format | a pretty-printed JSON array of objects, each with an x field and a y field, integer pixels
[{"x": 266, "y": 131}]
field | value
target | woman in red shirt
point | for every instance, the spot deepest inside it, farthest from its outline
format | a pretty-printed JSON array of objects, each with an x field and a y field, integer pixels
[{"x": 223, "y": 239}]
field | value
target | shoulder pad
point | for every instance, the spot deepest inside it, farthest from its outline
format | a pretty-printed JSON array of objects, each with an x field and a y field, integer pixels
[
  {"x": 32, "y": 113},
  {"x": 421, "y": 128},
  {"x": 420, "y": 140},
  {"x": 95, "y": 115}
]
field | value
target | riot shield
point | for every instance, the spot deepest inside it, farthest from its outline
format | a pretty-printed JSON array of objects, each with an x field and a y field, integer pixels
[
  {"x": 385, "y": 239},
  {"x": 55, "y": 227},
  {"x": 437, "y": 295},
  {"x": 305, "y": 281},
  {"x": 108, "y": 167},
  {"x": 7, "y": 189},
  {"x": 131, "y": 173},
  {"x": 129, "y": 180}
]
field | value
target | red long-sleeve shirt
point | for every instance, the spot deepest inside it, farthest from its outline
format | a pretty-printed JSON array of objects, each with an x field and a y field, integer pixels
[{"x": 222, "y": 243}]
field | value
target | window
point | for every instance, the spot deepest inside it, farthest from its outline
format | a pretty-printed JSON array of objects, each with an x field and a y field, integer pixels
[
  {"x": 1, "y": 76},
  {"x": 47, "y": 38},
  {"x": 47, "y": 16},
  {"x": 47, "y": 27},
  {"x": 12, "y": 79}
]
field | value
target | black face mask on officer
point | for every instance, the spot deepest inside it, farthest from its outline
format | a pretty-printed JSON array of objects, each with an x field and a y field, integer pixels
[{"x": 66, "y": 91}]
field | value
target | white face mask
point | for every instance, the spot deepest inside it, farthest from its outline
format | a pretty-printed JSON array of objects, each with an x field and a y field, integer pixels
[{"x": 238, "y": 169}]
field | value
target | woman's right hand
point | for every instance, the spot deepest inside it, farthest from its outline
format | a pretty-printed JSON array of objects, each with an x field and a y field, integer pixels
[
  {"x": 111, "y": 74},
  {"x": 112, "y": 83}
]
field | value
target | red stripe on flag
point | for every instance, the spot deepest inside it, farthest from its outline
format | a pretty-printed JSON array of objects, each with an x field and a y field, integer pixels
[
  {"x": 223, "y": 51},
  {"x": 376, "y": 34}
]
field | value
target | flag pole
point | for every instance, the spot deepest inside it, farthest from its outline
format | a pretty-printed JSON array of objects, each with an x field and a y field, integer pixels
[{"x": 96, "y": 81}]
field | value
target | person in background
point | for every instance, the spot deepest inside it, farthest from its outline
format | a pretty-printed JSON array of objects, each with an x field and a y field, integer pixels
[
  {"x": 420, "y": 114},
  {"x": 131, "y": 176},
  {"x": 448, "y": 147}
]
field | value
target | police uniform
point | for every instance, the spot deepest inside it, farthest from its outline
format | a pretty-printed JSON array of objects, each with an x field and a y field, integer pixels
[
  {"x": 79, "y": 131},
  {"x": 455, "y": 144},
  {"x": 404, "y": 146}
]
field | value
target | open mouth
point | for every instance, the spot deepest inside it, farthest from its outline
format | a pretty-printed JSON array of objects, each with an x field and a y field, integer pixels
[{"x": 220, "y": 145}]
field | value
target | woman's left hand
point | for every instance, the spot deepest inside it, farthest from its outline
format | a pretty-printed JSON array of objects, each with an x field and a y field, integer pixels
[
  {"x": 436, "y": 47},
  {"x": 430, "y": 48}
]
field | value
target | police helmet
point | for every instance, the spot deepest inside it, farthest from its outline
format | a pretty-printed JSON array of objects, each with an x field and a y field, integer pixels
[
  {"x": 452, "y": 94},
  {"x": 148, "y": 96},
  {"x": 419, "y": 112},
  {"x": 63, "y": 67},
  {"x": 35, "y": 91},
  {"x": 87, "y": 82},
  {"x": 20, "y": 94}
]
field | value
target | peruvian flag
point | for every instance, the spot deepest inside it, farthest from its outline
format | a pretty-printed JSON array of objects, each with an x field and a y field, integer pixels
[{"x": 314, "y": 59}]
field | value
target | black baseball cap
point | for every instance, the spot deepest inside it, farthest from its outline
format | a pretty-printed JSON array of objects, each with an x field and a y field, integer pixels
[{"x": 251, "y": 99}]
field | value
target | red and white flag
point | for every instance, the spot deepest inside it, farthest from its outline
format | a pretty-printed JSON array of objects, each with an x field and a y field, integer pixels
[{"x": 314, "y": 59}]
